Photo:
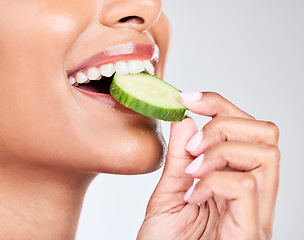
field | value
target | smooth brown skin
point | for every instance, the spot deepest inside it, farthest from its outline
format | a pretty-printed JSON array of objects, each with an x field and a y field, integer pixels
[{"x": 54, "y": 141}]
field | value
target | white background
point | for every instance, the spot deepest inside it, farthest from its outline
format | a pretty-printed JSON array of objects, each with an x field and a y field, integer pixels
[{"x": 251, "y": 52}]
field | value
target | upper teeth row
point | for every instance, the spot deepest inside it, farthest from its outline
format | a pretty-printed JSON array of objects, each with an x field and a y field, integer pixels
[{"x": 107, "y": 70}]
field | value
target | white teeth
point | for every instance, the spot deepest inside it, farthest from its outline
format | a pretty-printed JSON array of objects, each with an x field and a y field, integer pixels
[
  {"x": 107, "y": 70},
  {"x": 93, "y": 73},
  {"x": 81, "y": 77},
  {"x": 135, "y": 66},
  {"x": 121, "y": 68},
  {"x": 72, "y": 80},
  {"x": 149, "y": 67}
]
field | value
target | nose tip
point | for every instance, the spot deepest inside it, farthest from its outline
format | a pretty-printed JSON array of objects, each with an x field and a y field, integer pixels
[{"x": 139, "y": 15}]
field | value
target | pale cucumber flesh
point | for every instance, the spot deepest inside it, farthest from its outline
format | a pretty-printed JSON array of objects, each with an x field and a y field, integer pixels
[{"x": 148, "y": 95}]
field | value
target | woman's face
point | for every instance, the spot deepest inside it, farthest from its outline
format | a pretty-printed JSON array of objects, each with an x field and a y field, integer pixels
[{"x": 46, "y": 120}]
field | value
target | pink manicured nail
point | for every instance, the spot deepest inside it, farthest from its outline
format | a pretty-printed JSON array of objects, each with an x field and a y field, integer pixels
[
  {"x": 189, "y": 193},
  {"x": 194, "y": 142},
  {"x": 195, "y": 165},
  {"x": 191, "y": 96}
]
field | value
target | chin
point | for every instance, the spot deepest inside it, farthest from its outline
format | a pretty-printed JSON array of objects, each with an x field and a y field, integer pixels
[
  {"x": 146, "y": 159},
  {"x": 142, "y": 152}
]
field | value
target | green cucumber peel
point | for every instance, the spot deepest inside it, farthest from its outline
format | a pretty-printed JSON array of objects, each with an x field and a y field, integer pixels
[{"x": 148, "y": 95}]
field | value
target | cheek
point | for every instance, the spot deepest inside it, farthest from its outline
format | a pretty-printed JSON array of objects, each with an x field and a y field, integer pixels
[
  {"x": 41, "y": 29},
  {"x": 35, "y": 36}
]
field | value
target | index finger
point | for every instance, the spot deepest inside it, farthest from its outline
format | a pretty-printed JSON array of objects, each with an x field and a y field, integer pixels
[{"x": 211, "y": 104}]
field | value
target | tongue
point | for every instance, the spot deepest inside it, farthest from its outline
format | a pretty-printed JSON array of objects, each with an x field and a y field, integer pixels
[{"x": 89, "y": 87}]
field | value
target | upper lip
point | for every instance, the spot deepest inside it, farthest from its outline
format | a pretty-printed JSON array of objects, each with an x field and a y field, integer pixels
[{"x": 126, "y": 51}]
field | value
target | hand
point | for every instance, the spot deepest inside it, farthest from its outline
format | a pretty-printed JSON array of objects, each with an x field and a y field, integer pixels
[{"x": 236, "y": 160}]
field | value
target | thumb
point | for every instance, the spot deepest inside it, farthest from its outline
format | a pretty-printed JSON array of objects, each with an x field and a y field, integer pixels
[{"x": 174, "y": 179}]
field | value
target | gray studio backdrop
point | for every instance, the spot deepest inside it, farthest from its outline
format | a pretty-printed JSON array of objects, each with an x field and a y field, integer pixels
[{"x": 251, "y": 52}]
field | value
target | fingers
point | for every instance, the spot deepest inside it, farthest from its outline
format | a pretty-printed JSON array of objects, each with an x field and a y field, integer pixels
[
  {"x": 177, "y": 156},
  {"x": 180, "y": 134},
  {"x": 261, "y": 160},
  {"x": 174, "y": 179},
  {"x": 169, "y": 193},
  {"x": 240, "y": 190},
  {"x": 235, "y": 139},
  {"x": 211, "y": 104},
  {"x": 249, "y": 148},
  {"x": 233, "y": 129},
  {"x": 238, "y": 156}
]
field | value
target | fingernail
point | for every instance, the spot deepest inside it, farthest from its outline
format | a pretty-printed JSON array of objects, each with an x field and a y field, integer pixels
[
  {"x": 189, "y": 193},
  {"x": 191, "y": 96},
  {"x": 194, "y": 142},
  {"x": 195, "y": 165}
]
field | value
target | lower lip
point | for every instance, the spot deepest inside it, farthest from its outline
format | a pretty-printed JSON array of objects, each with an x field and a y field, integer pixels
[{"x": 107, "y": 100}]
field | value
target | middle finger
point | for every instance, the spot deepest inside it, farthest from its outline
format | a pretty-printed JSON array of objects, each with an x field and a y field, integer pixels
[{"x": 233, "y": 129}]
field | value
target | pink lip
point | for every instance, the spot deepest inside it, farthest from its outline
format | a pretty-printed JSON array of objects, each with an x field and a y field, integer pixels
[
  {"x": 107, "y": 100},
  {"x": 125, "y": 51}
]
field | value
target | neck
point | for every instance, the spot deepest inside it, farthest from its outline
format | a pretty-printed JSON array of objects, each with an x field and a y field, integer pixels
[{"x": 40, "y": 202}]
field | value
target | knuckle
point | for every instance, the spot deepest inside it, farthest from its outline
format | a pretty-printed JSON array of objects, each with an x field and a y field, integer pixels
[
  {"x": 274, "y": 130},
  {"x": 274, "y": 154}
]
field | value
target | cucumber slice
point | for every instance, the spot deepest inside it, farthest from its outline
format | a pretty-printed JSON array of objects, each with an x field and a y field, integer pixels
[{"x": 148, "y": 95}]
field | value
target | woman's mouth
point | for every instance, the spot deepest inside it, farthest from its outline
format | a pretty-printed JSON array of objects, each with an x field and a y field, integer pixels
[
  {"x": 98, "y": 79},
  {"x": 94, "y": 76}
]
